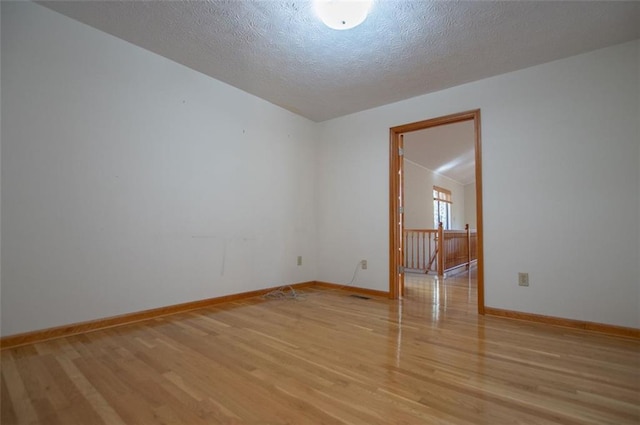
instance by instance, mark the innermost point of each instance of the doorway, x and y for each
(397, 204)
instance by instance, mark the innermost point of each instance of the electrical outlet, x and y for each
(299, 260)
(523, 279)
(363, 264)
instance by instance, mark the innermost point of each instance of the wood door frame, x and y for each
(396, 201)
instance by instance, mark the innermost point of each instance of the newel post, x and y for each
(466, 227)
(440, 249)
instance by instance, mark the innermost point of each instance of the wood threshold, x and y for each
(567, 323)
(32, 337)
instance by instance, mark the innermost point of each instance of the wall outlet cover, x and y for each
(523, 279)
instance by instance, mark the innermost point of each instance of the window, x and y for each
(442, 207)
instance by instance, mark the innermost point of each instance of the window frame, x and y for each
(442, 196)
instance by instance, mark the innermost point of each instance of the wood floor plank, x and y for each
(96, 400)
(7, 412)
(18, 398)
(328, 358)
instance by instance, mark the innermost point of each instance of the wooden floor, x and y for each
(328, 359)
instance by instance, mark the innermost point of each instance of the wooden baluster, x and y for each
(407, 250)
(424, 251)
(413, 255)
(418, 233)
(404, 243)
(413, 249)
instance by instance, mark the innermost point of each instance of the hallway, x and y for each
(426, 294)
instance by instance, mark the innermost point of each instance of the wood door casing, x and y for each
(396, 175)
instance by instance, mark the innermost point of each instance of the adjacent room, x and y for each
(244, 212)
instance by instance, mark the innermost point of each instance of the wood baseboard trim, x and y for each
(32, 337)
(567, 323)
(347, 288)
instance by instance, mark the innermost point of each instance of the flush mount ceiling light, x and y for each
(342, 14)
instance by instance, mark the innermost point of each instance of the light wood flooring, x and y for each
(328, 358)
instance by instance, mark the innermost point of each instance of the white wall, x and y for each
(418, 197)
(470, 211)
(418, 205)
(560, 183)
(131, 182)
(1, 182)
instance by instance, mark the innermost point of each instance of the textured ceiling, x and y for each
(281, 52)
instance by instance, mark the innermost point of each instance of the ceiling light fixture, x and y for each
(342, 14)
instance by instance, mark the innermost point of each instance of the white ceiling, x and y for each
(280, 51)
(446, 149)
